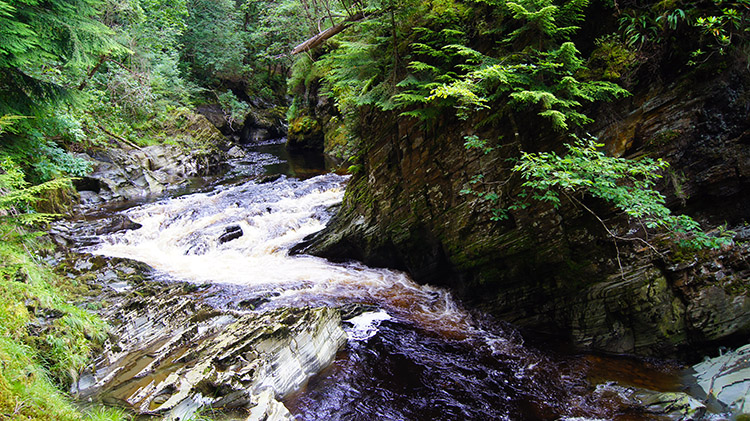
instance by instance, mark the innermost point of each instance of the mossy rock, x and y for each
(337, 140)
(305, 132)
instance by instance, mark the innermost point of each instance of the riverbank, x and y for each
(209, 287)
(46, 334)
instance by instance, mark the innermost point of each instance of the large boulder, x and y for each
(725, 381)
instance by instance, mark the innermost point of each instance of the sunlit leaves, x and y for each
(629, 185)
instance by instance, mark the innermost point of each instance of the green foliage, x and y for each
(725, 28)
(548, 84)
(100, 413)
(638, 29)
(17, 196)
(272, 28)
(38, 356)
(441, 69)
(236, 108)
(44, 340)
(628, 185)
(213, 44)
(716, 26)
(540, 21)
(354, 74)
(40, 158)
(47, 47)
(611, 60)
(474, 142)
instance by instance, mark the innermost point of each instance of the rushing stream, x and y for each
(416, 354)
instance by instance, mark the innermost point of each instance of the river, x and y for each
(415, 354)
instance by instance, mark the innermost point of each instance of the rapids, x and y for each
(415, 354)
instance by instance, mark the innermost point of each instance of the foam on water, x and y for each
(180, 237)
(365, 326)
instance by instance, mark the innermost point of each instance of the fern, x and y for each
(17, 196)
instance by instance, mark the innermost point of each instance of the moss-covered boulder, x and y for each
(305, 133)
(190, 146)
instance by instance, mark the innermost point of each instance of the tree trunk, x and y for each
(320, 38)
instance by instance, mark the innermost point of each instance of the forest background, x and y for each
(77, 75)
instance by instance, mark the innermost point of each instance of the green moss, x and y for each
(303, 125)
(664, 137)
(337, 140)
(173, 125)
(611, 60)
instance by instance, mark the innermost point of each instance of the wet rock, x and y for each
(726, 379)
(172, 353)
(90, 197)
(87, 233)
(114, 224)
(675, 405)
(230, 233)
(355, 309)
(267, 408)
(236, 152)
(262, 123)
(216, 115)
(320, 127)
(255, 302)
(650, 404)
(197, 249)
(717, 314)
(269, 178)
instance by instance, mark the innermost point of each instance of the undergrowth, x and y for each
(45, 341)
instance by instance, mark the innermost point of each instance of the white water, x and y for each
(365, 326)
(179, 237)
(463, 372)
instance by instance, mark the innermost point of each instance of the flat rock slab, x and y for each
(726, 379)
(170, 353)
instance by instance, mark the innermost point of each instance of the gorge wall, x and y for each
(557, 271)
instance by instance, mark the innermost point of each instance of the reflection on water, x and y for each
(418, 356)
(273, 158)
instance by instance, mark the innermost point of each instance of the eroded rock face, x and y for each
(171, 353)
(130, 173)
(556, 270)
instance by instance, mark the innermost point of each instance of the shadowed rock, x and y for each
(231, 232)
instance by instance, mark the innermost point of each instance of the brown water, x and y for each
(418, 355)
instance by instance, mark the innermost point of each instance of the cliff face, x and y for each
(557, 271)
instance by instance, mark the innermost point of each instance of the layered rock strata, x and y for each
(558, 271)
(170, 353)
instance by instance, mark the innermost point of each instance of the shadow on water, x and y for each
(415, 367)
(297, 164)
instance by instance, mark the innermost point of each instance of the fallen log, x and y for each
(321, 37)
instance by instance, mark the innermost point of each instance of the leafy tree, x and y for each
(213, 44)
(629, 185)
(48, 47)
